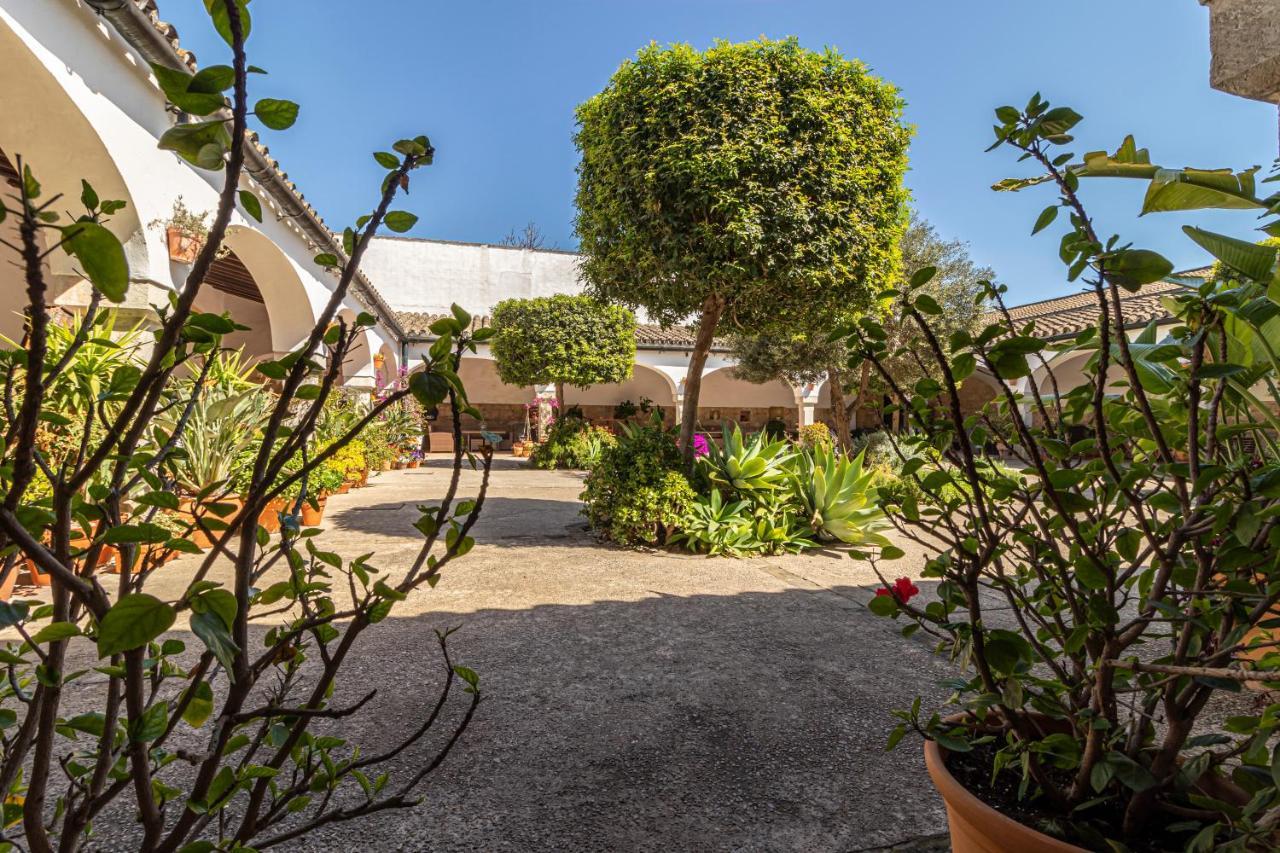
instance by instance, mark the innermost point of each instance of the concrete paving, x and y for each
(636, 700)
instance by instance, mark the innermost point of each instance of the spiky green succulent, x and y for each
(838, 497)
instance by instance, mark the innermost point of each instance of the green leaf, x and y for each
(892, 552)
(400, 221)
(200, 707)
(88, 197)
(1045, 219)
(143, 533)
(883, 605)
(1249, 259)
(1199, 189)
(212, 631)
(252, 206)
(276, 114)
(325, 259)
(200, 144)
(179, 91)
(151, 724)
(923, 276)
(101, 258)
(217, 10)
(387, 160)
(1133, 268)
(132, 622)
(55, 631)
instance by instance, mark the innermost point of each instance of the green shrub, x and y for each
(571, 443)
(816, 435)
(636, 494)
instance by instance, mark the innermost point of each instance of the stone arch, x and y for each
(724, 396)
(599, 401)
(281, 291)
(359, 360)
(45, 127)
(386, 366)
(1068, 370)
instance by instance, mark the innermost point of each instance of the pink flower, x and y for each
(903, 590)
(700, 446)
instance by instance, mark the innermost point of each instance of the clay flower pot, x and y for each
(345, 487)
(183, 248)
(386, 466)
(269, 518)
(311, 517)
(413, 463)
(975, 826)
(33, 575)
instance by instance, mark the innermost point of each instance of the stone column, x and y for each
(546, 395)
(808, 405)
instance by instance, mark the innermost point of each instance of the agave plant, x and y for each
(838, 497)
(712, 526)
(218, 431)
(751, 466)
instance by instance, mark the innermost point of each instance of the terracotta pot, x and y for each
(6, 588)
(413, 463)
(364, 479)
(345, 487)
(182, 248)
(397, 465)
(269, 518)
(33, 575)
(312, 517)
(975, 826)
(386, 466)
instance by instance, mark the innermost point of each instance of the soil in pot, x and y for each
(987, 816)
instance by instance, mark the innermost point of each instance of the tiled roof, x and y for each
(417, 324)
(142, 35)
(1065, 316)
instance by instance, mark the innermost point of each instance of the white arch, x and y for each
(283, 292)
(386, 366)
(723, 388)
(645, 381)
(45, 126)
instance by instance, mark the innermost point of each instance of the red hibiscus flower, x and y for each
(903, 590)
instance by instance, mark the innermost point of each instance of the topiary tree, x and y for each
(573, 340)
(756, 183)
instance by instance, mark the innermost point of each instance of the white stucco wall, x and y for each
(78, 101)
(431, 275)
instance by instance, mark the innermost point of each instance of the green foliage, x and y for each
(572, 443)
(751, 465)
(759, 172)
(636, 494)
(102, 437)
(571, 340)
(1134, 538)
(839, 497)
(816, 435)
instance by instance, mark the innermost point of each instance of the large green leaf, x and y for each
(101, 258)
(195, 95)
(1135, 267)
(217, 10)
(1196, 189)
(132, 622)
(200, 144)
(276, 114)
(1249, 259)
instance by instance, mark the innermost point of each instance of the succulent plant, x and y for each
(838, 497)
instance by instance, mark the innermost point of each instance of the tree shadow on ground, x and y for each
(754, 720)
(504, 521)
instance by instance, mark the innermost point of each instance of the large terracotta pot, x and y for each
(413, 463)
(6, 588)
(975, 826)
(34, 576)
(345, 487)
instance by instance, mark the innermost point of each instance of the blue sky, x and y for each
(494, 84)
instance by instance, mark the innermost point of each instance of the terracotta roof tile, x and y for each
(1066, 316)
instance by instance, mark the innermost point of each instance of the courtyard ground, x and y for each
(635, 700)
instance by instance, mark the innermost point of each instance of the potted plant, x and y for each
(1108, 589)
(185, 232)
(415, 458)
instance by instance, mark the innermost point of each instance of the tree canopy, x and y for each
(805, 355)
(759, 182)
(566, 340)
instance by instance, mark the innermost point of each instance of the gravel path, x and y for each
(635, 700)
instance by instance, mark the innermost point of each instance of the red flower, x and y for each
(903, 590)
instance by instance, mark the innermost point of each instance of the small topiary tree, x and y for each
(562, 339)
(758, 183)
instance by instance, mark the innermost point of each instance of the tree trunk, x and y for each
(864, 383)
(712, 308)
(839, 414)
(560, 396)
